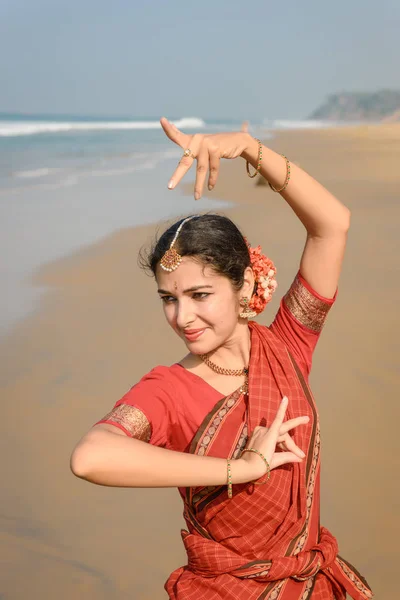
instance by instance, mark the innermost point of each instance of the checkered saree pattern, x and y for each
(266, 542)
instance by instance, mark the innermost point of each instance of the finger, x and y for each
(280, 415)
(174, 134)
(292, 423)
(215, 162)
(186, 162)
(292, 447)
(282, 458)
(201, 172)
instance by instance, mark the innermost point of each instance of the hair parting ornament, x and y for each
(172, 259)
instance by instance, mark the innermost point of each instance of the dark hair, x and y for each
(211, 239)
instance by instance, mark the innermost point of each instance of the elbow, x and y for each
(340, 226)
(346, 220)
(81, 460)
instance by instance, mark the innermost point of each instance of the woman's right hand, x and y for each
(266, 439)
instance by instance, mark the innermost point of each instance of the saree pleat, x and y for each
(266, 542)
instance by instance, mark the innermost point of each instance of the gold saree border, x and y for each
(273, 590)
(131, 419)
(298, 542)
(200, 443)
(306, 308)
(354, 576)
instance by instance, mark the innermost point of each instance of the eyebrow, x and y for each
(192, 289)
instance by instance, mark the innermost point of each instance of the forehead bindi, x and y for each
(185, 280)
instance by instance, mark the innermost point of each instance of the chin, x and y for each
(198, 348)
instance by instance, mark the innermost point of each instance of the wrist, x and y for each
(250, 151)
(244, 470)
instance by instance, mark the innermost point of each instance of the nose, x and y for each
(184, 314)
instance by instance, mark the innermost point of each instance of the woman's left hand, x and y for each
(207, 149)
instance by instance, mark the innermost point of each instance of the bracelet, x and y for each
(268, 473)
(229, 478)
(287, 177)
(259, 161)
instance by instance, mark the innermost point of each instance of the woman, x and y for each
(233, 424)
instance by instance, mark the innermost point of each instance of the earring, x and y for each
(247, 312)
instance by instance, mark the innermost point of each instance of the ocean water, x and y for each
(67, 181)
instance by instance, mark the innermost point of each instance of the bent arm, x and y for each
(106, 456)
(325, 218)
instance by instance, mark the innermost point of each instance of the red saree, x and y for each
(266, 542)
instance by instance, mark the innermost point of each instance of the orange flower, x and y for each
(264, 273)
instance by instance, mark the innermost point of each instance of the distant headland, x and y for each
(382, 105)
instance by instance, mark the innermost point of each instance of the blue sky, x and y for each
(232, 59)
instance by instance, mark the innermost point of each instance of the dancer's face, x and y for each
(196, 298)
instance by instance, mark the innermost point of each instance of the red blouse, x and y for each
(167, 406)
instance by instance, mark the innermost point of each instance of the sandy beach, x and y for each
(101, 327)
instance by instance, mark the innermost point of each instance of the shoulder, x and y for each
(164, 376)
(160, 374)
(160, 378)
(166, 382)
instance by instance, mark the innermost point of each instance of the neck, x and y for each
(235, 353)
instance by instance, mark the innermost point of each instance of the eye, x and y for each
(167, 299)
(201, 295)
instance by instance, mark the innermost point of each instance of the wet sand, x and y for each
(100, 328)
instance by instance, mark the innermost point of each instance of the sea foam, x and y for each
(34, 173)
(299, 124)
(18, 128)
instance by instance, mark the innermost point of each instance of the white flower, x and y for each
(271, 273)
(266, 294)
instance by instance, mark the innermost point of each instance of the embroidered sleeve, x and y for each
(308, 308)
(131, 420)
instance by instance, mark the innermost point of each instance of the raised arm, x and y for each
(325, 218)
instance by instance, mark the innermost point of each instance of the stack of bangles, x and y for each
(267, 474)
(287, 179)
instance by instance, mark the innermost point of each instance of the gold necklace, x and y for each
(233, 372)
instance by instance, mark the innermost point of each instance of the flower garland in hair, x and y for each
(264, 273)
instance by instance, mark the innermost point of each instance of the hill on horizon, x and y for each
(360, 106)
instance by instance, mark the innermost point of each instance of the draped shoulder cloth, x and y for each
(266, 543)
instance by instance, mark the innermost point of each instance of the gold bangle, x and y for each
(229, 474)
(268, 473)
(259, 161)
(287, 177)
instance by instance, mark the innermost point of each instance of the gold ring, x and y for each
(188, 153)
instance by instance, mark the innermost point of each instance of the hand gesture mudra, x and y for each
(207, 150)
(266, 440)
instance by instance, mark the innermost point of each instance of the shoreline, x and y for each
(30, 296)
(50, 225)
(100, 328)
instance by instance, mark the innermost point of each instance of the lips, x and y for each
(190, 331)
(193, 334)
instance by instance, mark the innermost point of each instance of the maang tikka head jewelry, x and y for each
(172, 259)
